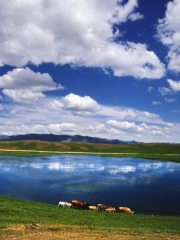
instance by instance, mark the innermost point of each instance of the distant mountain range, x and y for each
(63, 138)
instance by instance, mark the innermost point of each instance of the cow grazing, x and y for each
(102, 207)
(68, 204)
(94, 208)
(79, 204)
(61, 204)
(125, 209)
(110, 209)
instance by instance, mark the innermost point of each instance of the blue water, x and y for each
(146, 186)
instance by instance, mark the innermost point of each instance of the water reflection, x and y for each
(154, 185)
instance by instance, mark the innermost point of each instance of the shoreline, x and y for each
(173, 157)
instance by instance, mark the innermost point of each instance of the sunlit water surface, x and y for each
(150, 187)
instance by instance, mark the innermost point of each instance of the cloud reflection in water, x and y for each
(80, 172)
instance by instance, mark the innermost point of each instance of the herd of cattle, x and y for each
(100, 207)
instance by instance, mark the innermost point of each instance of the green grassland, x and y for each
(156, 151)
(17, 212)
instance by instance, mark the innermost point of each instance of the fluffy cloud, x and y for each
(97, 129)
(108, 122)
(136, 16)
(23, 96)
(26, 79)
(174, 85)
(75, 114)
(124, 12)
(122, 125)
(76, 109)
(169, 34)
(75, 103)
(129, 114)
(1, 107)
(54, 128)
(24, 85)
(112, 129)
(65, 127)
(88, 107)
(39, 128)
(142, 128)
(54, 105)
(66, 32)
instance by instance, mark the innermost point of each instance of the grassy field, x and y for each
(21, 218)
(159, 151)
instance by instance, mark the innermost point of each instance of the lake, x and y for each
(146, 186)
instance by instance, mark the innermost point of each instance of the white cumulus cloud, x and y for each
(169, 34)
(23, 96)
(75, 103)
(174, 85)
(122, 125)
(127, 11)
(73, 32)
(26, 79)
(63, 127)
(24, 85)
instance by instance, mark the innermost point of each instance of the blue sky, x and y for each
(100, 68)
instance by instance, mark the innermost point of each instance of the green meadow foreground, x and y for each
(29, 220)
(156, 151)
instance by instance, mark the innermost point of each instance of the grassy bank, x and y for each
(49, 217)
(156, 151)
(151, 148)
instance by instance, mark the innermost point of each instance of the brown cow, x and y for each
(94, 208)
(110, 209)
(125, 209)
(80, 204)
(102, 207)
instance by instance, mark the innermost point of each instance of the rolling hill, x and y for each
(63, 138)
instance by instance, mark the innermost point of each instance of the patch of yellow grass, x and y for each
(60, 232)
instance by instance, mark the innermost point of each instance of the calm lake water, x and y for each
(150, 187)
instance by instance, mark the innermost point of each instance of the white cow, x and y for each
(62, 204)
